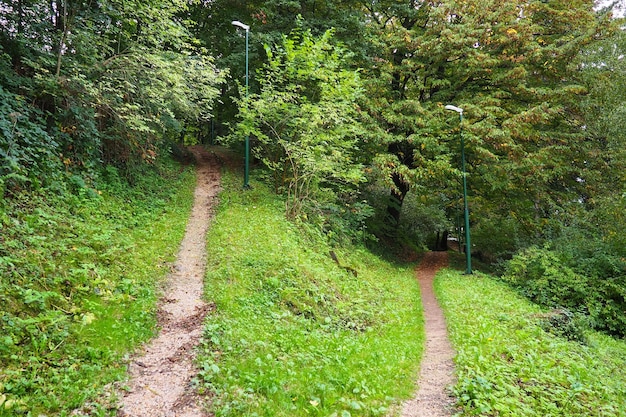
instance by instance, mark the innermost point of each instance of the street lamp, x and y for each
(246, 175)
(468, 247)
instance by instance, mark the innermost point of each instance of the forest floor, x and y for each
(437, 367)
(161, 375)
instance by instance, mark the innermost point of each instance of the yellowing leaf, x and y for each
(88, 318)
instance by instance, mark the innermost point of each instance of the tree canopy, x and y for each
(354, 97)
(105, 81)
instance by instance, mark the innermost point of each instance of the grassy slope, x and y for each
(78, 290)
(294, 334)
(509, 366)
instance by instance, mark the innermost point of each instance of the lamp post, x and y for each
(246, 174)
(468, 247)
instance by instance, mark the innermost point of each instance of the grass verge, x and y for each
(294, 333)
(80, 277)
(508, 365)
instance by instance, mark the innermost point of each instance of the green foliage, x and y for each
(507, 365)
(27, 151)
(79, 272)
(294, 333)
(87, 83)
(593, 284)
(545, 279)
(269, 21)
(508, 65)
(605, 108)
(422, 217)
(306, 129)
(144, 97)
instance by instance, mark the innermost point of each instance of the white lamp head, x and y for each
(454, 108)
(241, 25)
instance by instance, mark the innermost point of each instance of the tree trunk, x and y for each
(63, 27)
(396, 198)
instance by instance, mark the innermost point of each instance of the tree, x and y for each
(269, 21)
(305, 123)
(604, 70)
(509, 65)
(112, 81)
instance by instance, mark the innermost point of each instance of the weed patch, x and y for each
(79, 283)
(508, 365)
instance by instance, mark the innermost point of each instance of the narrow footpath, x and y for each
(161, 375)
(437, 368)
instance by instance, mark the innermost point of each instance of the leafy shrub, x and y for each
(305, 123)
(27, 151)
(546, 278)
(564, 323)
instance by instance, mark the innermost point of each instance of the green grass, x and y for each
(294, 334)
(80, 278)
(508, 365)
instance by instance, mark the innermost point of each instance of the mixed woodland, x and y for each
(344, 109)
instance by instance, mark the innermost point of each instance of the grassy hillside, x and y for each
(294, 333)
(80, 274)
(513, 358)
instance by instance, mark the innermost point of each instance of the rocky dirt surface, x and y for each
(160, 384)
(437, 368)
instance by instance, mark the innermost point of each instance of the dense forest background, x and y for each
(346, 106)
(346, 119)
(345, 111)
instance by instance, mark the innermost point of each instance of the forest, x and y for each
(339, 111)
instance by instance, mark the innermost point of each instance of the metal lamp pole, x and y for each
(246, 174)
(468, 246)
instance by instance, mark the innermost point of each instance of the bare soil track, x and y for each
(437, 368)
(160, 384)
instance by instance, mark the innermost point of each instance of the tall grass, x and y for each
(509, 363)
(294, 333)
(80, 274)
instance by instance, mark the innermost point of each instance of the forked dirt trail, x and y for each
(437, 369)
(161, 375)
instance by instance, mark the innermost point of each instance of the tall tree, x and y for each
(305, 120)
(508, 64)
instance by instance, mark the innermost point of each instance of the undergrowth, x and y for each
(591, 285)
(509, 364)
(295, 333)
(78, 290)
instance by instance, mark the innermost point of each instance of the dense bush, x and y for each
(27, 151)
(592, 284)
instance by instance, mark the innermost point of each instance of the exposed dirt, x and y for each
(160, 384)
(437, 368)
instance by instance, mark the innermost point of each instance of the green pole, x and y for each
(246, 172)
(246, 176)
(468, 245)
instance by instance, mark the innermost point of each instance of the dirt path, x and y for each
(161, 374)
(437, 369)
